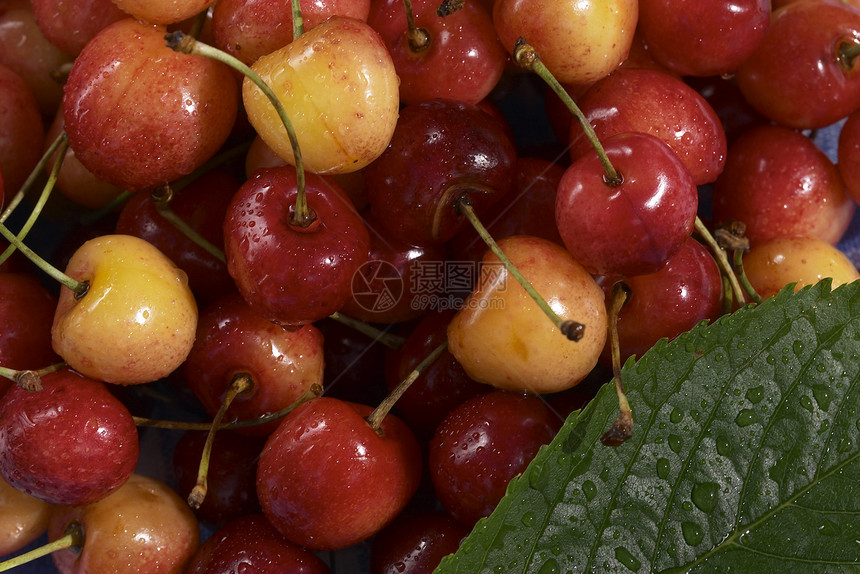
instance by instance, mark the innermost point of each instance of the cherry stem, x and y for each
(80, 288)
(242, 383)
(313, 392)
(109, 207)
(390, 340)
(72, 538)
(742, 276)
(302, 215)
(722, 260)
(847, 52)
(40, 204)
(379, 413)
(197, 23)
(622, 428)
(225, 156)
(61, 140)
(570, 329)
(30, 380)
(162, 197)
(448, 7)
(298, 24)
(418, 38)
(527, 57)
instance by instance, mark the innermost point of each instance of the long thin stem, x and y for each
(418, 38)
(241, 383)
(722, 260)
(742, 276)
(527, 57)
(571, 329)
(34, 175)
(73, 538)
(180, 42)
(375, 418)
(80, 288)
(298, 24)
(622, 428)
(43, 199)
(161, 198)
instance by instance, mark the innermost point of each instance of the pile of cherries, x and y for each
(325, 233)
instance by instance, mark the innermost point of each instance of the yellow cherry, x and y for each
(137, 321)
(24, 518)
(338, 86)
(502, 338)
(772, 265)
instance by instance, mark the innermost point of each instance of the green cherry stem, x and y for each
(27, 379)
(847, 53)
(527, 57)
(225, 156)
(313, 392)
(375, 418)
(61, 140)
(302, 216)
(622, 428)
(570, 329)
(43, 199)
(73, 537)
(162, 197)
(79, 288)
(742, 276)
(722, 260)
(298, 24)
(242, 383)
(418, 38)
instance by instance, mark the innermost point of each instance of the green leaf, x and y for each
(745, 457)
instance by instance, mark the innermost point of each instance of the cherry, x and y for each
(778, 182)
(415, 542)
(481, 445)
(251, 543)
(70, 24)
(163, 11)
(580, 42)
(664, 304)
(24, 518)
(634, 227)
(293, 274)
(657, 103)
(23, 132)
(137, 320)
(499, 335)
(70, 443)
(233, 338)
(441, 150)
(802, 75)
(726, 99)
(848, 155)
(142, 527)
(459, 56)
(250, 29)
(202, 205)
(231, 477)
(326, 479)
(703, 38)
(139, 114)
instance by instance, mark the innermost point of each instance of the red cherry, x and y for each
(415, 543)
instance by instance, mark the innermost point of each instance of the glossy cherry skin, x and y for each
(232, 338)
(440, 388)
(440, 151)
(481, 445)
(70, 24)
(327, 480)
(657, 103)
(635, 227)
(415, 542)
(703, 38)
(71, 443)
(778, 182)
(848, 155)
(388, 288)
(293, 275)
(22, 134)
(248, 29)
(203, 206)
(163, 11)
(24, 518)
(251, 544)
(529, 210)
(142, 527)
(795, 77)
(687, 291)
(726, 99)
(230, 491)
(464, 59)
(139, 114)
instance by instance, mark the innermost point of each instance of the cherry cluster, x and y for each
(317, 234)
